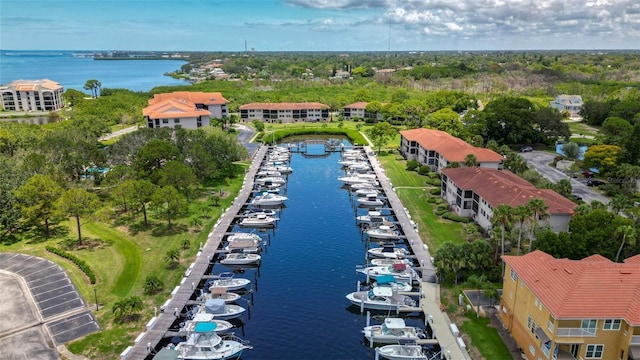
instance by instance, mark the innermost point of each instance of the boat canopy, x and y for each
(399, 267)
(205, 327)
(215, 306)
(394, 323)
(385, 279)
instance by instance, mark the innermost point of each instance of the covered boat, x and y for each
(381, 298)
(391, 331)
(405, 350)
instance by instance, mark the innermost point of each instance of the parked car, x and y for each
(526, 149)
(595, 182)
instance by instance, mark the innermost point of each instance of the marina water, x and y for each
(300, 310)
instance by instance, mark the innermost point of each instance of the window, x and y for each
(531, 324)
(165, 121)
(176, 121)
(532, 350)
(514, 276)
(589, 325)
(594, 351)
(611, 324)
(550, 326)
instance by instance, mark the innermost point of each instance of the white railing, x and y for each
(575, 332)
(635, 339)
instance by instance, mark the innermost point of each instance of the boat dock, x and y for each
(158, 326)
(430, 301)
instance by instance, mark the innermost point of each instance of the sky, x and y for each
(319, 25)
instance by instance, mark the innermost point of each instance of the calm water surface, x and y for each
(300, 309)
(72, 72)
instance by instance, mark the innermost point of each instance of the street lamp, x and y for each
(95, 293)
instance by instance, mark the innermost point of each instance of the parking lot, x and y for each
(40, 307)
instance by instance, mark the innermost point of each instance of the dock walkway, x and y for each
(430, 302)
(158, 326)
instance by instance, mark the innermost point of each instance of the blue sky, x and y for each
(319, 25)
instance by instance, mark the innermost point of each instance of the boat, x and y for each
(359, 167)
(268, 172)
(270, 180)
(204, 320)
(227, 280)
(368, 192)
(282, 169)
(383, 232)
(391, 331)
(268, 199)
(268, 212)
(363, 185)
(220, 310)
(356, 178)
(388, 251)
(381, 298)
(387, 262)
(370, 199)
(258, 220)
(406, 350)
(204, 343)
(245, 242)
(400, 272)
(240, 258)
(390, 282)
(219, 292)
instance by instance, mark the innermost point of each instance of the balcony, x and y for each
(635, 340)
(575, 332)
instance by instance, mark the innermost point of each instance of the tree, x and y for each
(628, 234)
(510, 120)
(571, 150)
(73, 97)
(448, 121)
(380, 134)
(152, 284)
(258, 125)
(616, 131)
(153, 155)
(515, 163)
(78, 203)
(539, 211)
(93, 85)
(550, 125)
(594, 112)
(142, 194)
(169, 203)
(479, 283)
(178, 175)
(172, 257)
(470, 160)
(521, 214)
(124, 191)
(36, 199)
(603, 157)
(502, 216)
(564, 188)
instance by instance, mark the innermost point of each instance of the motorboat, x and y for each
(364, 185)
(391, 331)
(388, 251)
(268, 199)
(402, 351)
(204, 343)
(245, 242)
(356, 178)
(368, 192)
(220, 310)
(240, 258)
(271, 180)
(359, 167)
(370, 199)
(400, 272)
(219, 293)
(268, 212)
(258, 220)
(371, 217)
(263, 173)
(384, 232)
(381, 298)
(390, 282)
(227, 280)
(204, 321)
(281, 169)
(387, 262)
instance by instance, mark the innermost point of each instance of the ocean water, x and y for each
(300, 310)
(73, 72)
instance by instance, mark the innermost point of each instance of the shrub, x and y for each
(152, 284)
(454, 217)
(434, 182)
(611, 190)
(435, 191)
(424, 170)
(412, 165)
(443, 206)
(440, 212)
(78, 262)
(431, 199)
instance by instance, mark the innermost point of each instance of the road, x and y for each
(118, 133)
(540, 160)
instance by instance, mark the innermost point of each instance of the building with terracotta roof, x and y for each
(475, 191)
(185, 109)
(32, 95)
(358, 110)
(284, 112)
(582, 309)
(437, 149)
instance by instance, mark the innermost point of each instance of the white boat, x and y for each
(240, 258)
(387, 262)
(370, 199)
(268, 199)
(364, 185)
(227, 280)
(388, 251)
(383, 232)
(282, 169)
(258, 220)
(204, 320)
(390, 282)
(220, 310)
(220, 293)
(368, 192)
(359, 167)
(381, 298)
(400, 272)
(355, 178)
(205, 344)
(411, 351)
(268, 172)
(391, 331)
(245, 242)
(270, 180)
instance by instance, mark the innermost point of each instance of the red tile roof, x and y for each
(196, 97)
(357, 105)
(594, 287)
(34, 85)
(499, 187)
(284, 106)
(173, 108)
(452, 148)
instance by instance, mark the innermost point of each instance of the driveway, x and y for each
(540, 160)
(245, 134)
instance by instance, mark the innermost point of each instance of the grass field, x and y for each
(485, 338)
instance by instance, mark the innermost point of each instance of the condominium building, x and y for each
(185, 109)
(437, 149)
(284, 112)
(564, 309)
(359, 110)
(32, 95)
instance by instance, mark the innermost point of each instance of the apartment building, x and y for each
(32, 95)
(285, 112)
(185, 109)
(565, 309)
(359, 110)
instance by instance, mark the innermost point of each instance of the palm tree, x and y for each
(470, 160)
(564, 188)
(134, 304)
(539, 212)
(119, 308)
(502, 215)
(172, 257)
(479, 283)
(628, 233)
(619, 203)
(521, 214)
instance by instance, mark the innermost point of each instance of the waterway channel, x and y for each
(300, 310)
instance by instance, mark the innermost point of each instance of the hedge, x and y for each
(435, 191)
(434, 182)
(453, 217)
(78, 262)
(353, 135)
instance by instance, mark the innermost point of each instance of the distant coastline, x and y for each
(133, 55)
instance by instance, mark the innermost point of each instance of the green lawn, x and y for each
(581, 128)
(486, 338)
